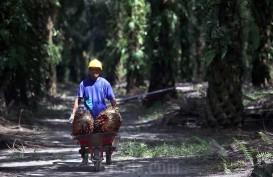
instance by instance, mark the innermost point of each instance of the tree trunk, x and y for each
(162, 51)
(263, 15)
(162, 70)
(132, 72)
(137, 16)
(186, 70)
(3, 107)
(51, 82)
(224, 92)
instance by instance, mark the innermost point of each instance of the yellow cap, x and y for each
(95, 64)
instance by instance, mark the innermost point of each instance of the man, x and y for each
(93, 90)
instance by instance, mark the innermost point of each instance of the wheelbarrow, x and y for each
(95, 144)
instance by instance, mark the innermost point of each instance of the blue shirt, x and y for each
(94, 93)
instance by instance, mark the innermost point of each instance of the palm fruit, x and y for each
(108, 120)
(83, 123)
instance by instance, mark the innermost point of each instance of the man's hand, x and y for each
(114, 104)
(116, 109)
(71, 119)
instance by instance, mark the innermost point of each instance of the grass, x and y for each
(249, 155)
(152, 116)
(200, 88)
(186, 148)
(128, 107)
(39, 128)
(154, 112)
(257, 94)
(18, 154)
(229, 166)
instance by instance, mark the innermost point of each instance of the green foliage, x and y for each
(134, 149)
(184, 148)
(153, 116)
(264, 155)
(252, 154)
(215, 34)
(209, 56)
(226, 165)
(229, 166)
(153, 112)
(221, 34)
(136, 39)
(248, 152)
(55, 3)
(54, 53)
(256, 95)
(265, 138)
(126, 41)
(25, 50)
(262, 14)
(162, 45)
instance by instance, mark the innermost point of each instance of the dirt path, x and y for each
(57, 154)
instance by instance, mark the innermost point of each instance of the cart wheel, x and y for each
(108, 158)
(97, 164)
(84, 160)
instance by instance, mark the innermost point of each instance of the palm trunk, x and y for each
(263, 15)
(3, 107)
(225, 83)
(224, 92)
(52, 80)
(162, 71)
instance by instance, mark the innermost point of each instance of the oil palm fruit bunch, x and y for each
(108, 120)
(83, 123)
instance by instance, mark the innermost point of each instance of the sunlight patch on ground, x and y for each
(29, 163)
(56, 107)
(4, 157)
(142, 136)
(68, 98)
(60, 150)
(55, 120)
(228, 175)
(30, 151)
(151, 136)
(39, 163)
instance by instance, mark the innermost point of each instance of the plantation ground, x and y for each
(43, 146)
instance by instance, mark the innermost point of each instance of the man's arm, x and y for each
(113, 102)
(76, 105)
(74, 110)
(108, 91)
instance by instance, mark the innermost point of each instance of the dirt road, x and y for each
(56, 154)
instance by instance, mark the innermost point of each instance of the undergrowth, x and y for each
(251, 154)
(142, 149)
